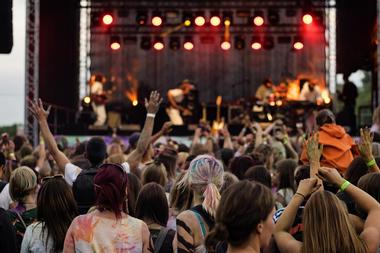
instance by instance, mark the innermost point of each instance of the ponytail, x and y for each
(211, 199)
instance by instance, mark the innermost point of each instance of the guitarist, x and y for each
(98, 98)
(176, 97)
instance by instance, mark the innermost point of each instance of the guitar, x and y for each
(218, 124)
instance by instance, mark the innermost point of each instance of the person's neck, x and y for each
(30, 202)
(197, 199)
(252, 246)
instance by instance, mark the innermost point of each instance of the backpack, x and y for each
(83, 190)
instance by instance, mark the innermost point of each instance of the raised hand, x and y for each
(154, 102)
(365, 144)
(166, 128)
(330, 175)
(314, 149)
(38, 111)
(308, 186)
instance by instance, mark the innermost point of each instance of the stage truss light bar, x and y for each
(115, 43)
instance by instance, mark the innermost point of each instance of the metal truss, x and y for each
(32, 65)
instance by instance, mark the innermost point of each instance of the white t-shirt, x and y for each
(97, 88)
(5, 198)
(308, 95)
(72, 171)
(177, 95)
(34, 241)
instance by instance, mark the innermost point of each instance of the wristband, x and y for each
(344, 185)
(152, 115)
(371, 163)
(303, 196)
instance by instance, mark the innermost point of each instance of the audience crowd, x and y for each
(269, 189)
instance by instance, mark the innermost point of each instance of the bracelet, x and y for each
(344, 185)
(152, 115)
(303, 196)
(371, 163)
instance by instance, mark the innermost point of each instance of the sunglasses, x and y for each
(43, 180)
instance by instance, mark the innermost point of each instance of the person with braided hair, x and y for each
(205, 178)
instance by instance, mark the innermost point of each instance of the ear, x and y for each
(259, 228)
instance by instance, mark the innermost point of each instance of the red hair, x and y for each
(110, 187)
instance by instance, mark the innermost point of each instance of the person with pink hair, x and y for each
(205, 178)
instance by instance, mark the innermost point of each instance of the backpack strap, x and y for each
(160, 239)
(201, 223)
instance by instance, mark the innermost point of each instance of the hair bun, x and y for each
(221, 231)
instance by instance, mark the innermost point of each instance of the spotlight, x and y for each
(298, 43)
(87, 100)
(258, 18)
(158, 43)
(227, 18)
(174, 43)
(135, 102)
(157, 19)
(145, 43)
(107, 19)
(141, 17)
(215, 19)
(187, 18)
(307, 19)
(273, 17)
(256, 43)
(268, 43)
(188, 43)
(115, 43)
(239, 42)
(199, 19)
(225, 44)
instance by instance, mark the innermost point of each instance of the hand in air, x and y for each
(154, 102)
(365, 144)
(38, 111)
(314, 149)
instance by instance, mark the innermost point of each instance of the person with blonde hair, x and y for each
(205, 178)
(327, 227)
(23, 190)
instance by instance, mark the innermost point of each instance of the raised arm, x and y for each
(152, 107)
(314, 152)
(41, 115)
(365, 148)
(166, 128)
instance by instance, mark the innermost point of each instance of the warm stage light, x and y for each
(115, 45)
(226, 45)
(187, 22)
(256, 45)
(258, 21)
(188, 46)
(215, 21)
(307, 19)
(227, 22)
(107, 19)
(158, 46)
(87, 99)
(199, 21)
(156, 21)
(298, 45)
(135, 102)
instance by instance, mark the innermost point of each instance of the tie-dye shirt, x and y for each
(94, 232)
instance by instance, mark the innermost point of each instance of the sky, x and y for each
(12, 71)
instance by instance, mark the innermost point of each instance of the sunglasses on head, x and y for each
(43, 180)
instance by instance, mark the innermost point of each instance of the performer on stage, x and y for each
(310, 92)
(176, 98)
(98, 98)
(264, 91)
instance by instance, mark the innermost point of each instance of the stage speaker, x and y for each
(6, 30)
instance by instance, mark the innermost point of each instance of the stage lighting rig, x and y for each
(258, 18)
(187, 18)
(188, 43)
(115, 42)
(157, 18)
(158, 43)
(141, 17)
(200, 19)
(215, 18)
(225, 44)
(298, 43)
(227, 18)
(256, 43)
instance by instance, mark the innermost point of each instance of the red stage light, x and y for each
(226, 45)
(156, 21)
(188, 45)
(107, 19)
(115, 45)
(215, 21)
(256, 45)
(298, 45)
(307, 19)
(199, 21)
(158, 45)
(258, 21)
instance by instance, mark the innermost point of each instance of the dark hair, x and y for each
(259, 173)
(81, 162)
(286, 169)
(2, 159)
(370, 184)
(168, 158)
(183, 148)
(225, 155)
(25, 150)
(154, 172)
(325, 116)
(152, 204)
(357, 168)
(301, 172)
(80, 149)
(98, 78)
(237, 217)
(239, 165)
(134, 187)
(56, 209)
(110, 187)
(96, 151)
(29, 161)
(19, 141)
